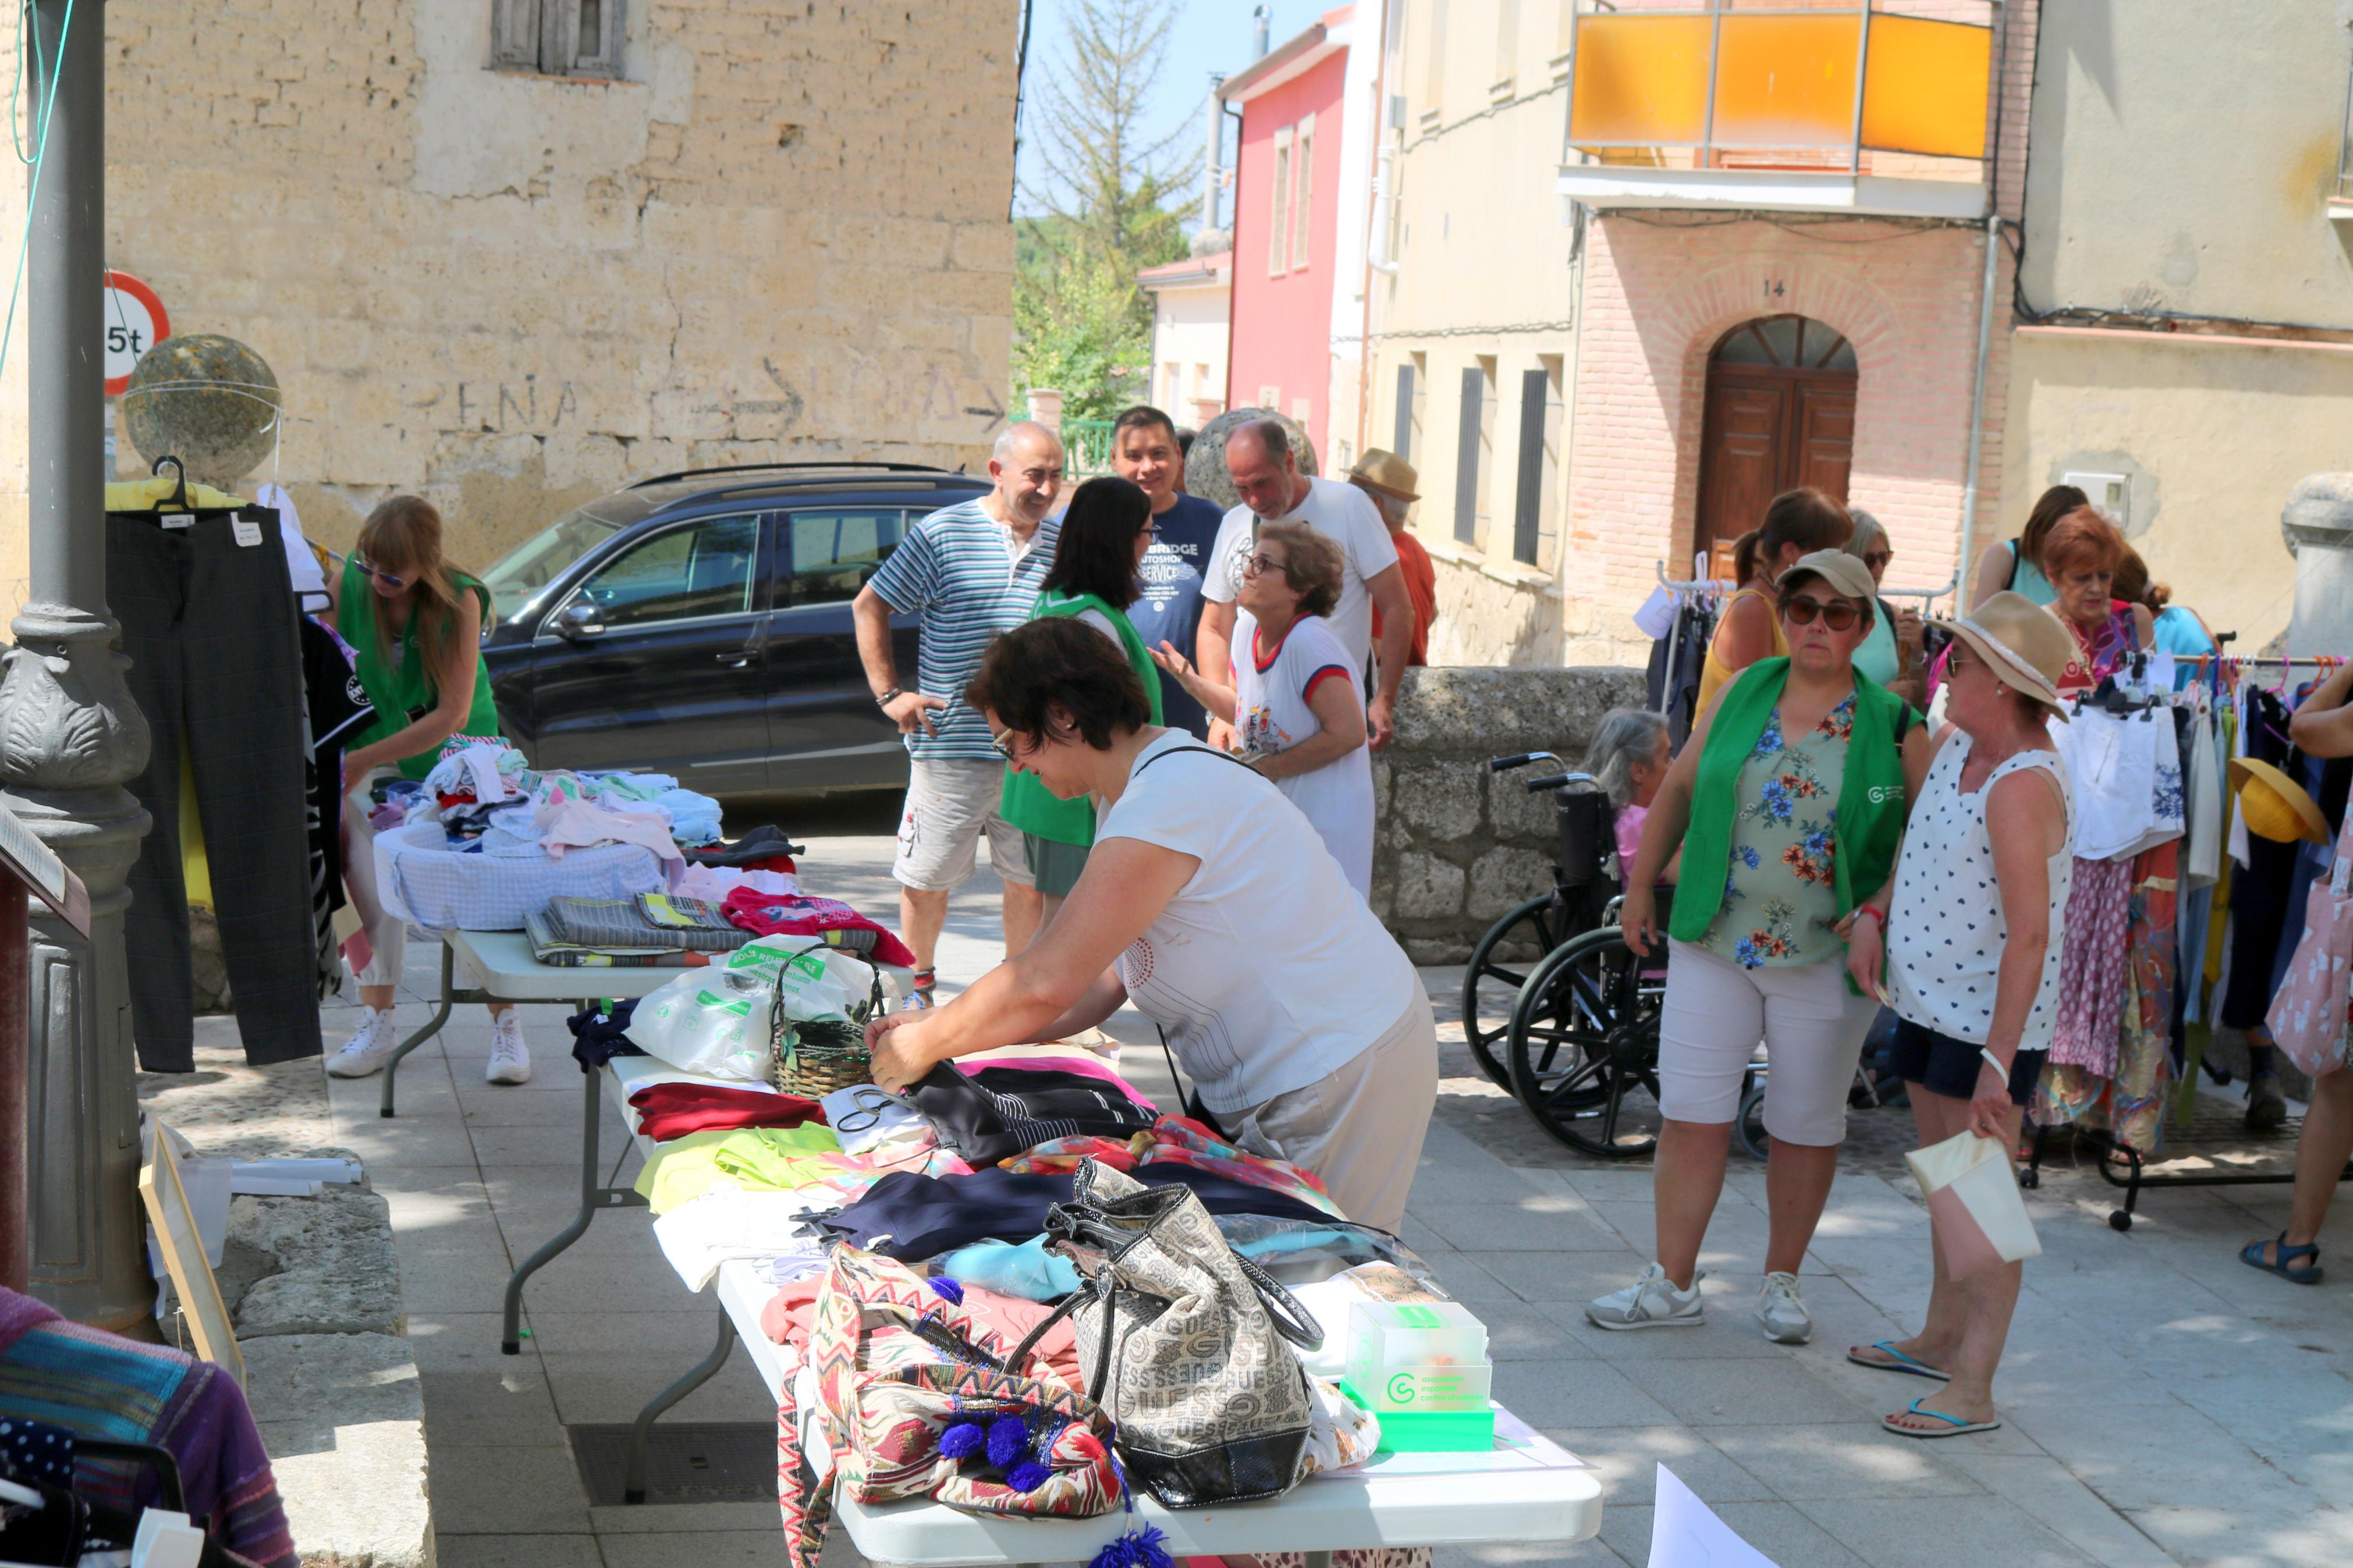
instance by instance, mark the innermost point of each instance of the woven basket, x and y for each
(809, 1070)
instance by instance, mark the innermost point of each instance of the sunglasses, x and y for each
(1878, 559)
(1839, 616)
(389, 579)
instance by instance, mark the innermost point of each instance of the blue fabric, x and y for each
(1170, 608)
(1027, 1270)
(693, 818)
(2178, 633)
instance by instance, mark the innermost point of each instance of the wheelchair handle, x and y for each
(1518, 759)
(1557, 781)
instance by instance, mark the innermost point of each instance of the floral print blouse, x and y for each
(2101, 650)
(1780, 896)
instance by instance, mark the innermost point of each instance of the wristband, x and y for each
(1878, 915)
(1995, 1062)
(889, 697)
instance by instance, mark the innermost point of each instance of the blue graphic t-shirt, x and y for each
(1170, 606)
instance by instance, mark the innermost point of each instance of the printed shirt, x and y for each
(959, 569)
(1780, 895)
(1170, 606)
(2101, 650)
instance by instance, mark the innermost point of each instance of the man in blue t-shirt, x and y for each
(1143, 451)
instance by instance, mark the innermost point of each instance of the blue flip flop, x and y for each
(1910, 1366)
(2252, 1254)
(1958, 1429)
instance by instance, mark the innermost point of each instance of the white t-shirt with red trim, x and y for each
(1272, 688)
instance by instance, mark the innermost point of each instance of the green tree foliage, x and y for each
(1080, 324)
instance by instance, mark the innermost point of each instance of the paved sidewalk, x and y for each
(2165, 1403)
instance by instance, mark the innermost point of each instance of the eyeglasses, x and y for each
(1150, 530)
(1262, 561)
(868, 1106)
(1002, 744)
(389, 579)
(1839, 616)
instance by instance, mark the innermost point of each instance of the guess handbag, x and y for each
(1185, 1343)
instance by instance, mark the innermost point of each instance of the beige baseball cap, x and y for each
(1845, 573)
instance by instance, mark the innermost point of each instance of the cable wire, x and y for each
(40, 160)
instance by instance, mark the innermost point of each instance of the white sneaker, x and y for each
(510, 1058)
(1651, 1302)
(1781, 1312)
(370, 1046)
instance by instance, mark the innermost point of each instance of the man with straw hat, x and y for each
(1969, 960)
(1390, 480)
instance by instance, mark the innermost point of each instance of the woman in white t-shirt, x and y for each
(1292, 694)
(1209, 904)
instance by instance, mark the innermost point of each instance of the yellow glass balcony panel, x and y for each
(1639, 79)
(1925, 87)
(1785, 82)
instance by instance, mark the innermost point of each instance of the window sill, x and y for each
(1500, 92)
(615, 80)
(1511, 573)
(1429, 118)
(1561, 64)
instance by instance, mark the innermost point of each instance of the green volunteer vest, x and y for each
(401, 690)
(1869, 821)
(1028, 804)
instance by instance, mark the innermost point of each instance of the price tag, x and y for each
(247, 533)
(179, 519)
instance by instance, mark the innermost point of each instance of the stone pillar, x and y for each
(1046, 408)
(70, 736)
(2319, 523)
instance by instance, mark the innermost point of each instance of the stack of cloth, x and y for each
(761, 860)
(651, 929)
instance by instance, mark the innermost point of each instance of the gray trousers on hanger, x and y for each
(208, 624)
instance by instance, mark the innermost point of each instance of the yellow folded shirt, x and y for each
(757, 1159)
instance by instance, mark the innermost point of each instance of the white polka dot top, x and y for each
(1946, 928)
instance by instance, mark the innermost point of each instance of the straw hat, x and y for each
(2276, 807)
(1845, 573)
(2023, 643)
(1388, 473)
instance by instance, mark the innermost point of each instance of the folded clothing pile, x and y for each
(840, 925)
(907, 1215)
(649, 929)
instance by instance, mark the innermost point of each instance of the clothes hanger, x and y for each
(179, 500)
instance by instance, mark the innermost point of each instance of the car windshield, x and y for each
(530, 567)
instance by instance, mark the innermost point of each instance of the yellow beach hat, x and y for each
(2276, 807)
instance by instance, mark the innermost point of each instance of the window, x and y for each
(1281, 228)
(1403, 443)
(1474, 445)
(557, 38)
(1304, 157)
(1172, 383)
(833, 552)
(1269, 395)
(1200, 383)
(1433, 91)
(688, 574)
(1507, 41)
(1536, 512)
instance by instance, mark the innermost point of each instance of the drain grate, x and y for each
(686, 1461)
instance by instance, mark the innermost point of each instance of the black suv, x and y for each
(698, 624)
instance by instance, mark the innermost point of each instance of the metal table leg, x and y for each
(440, 1016)
(594, 1195)
(633, 1481)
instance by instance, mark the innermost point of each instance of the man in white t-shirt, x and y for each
(1265, 472)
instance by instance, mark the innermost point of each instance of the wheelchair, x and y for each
(1574, 1011)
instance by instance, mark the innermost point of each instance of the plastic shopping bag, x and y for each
(715, 1021)
(1973, 1201)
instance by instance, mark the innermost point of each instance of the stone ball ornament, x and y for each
(207, 400)
(1205, 466)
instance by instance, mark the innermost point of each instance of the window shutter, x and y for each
(1466, 457)
(1536, 386)
(514, 35)
(580, 37)
(1404, 445)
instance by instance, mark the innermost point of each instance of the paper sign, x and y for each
(1685, 1533)
(247, 533)
(179, 519)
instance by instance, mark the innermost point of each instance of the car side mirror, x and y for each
(578, 621)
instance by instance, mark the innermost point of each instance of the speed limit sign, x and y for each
(135, 322)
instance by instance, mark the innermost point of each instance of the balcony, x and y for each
(1840, 107)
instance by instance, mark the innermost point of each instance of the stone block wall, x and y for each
(1456, 847)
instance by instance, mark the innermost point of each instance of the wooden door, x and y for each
(1741, 469)
(1779, 414)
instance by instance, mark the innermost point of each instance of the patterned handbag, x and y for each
(2309, 1015)
(915, 1402)
(1182, 1341)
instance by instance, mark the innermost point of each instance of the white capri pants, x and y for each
(1716, 1012)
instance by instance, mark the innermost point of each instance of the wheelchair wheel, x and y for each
(1750, 1127)
(1583, 1049)
(1491, 982)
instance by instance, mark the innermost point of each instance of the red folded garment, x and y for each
(667, 1111)
(791, 914)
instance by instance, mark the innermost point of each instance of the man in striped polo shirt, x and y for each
(972, 571)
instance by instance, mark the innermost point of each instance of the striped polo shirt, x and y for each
(958, 570)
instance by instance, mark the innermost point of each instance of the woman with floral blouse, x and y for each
(1788, 804)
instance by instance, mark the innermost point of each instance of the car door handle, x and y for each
(735, 660)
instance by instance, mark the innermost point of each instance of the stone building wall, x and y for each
(782, 234)
(1456, 847)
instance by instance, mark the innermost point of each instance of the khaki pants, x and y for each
(1359, 1127)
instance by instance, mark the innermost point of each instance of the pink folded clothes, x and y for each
(764, 914)
(577, 824)
(1077, 1062)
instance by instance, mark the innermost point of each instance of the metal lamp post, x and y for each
(70, 734)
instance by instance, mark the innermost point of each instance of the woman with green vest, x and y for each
(1094, 579)
(1787, 803)
(415, 626)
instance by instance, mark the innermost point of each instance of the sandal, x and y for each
(1959, 1428)
(2252, 1254)
(1899, 1361)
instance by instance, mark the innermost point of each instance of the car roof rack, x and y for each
(771, 468)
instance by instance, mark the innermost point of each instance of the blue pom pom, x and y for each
(1146, 1549)
(946, 1288)
(1008, 1440)
(1028, 1475)
(963, 1439)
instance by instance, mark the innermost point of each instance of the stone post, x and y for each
(1046, 408)
(70, 734)
(2319, 523)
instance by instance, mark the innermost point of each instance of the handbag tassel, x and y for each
(1146, 1548)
